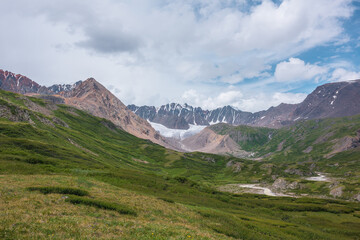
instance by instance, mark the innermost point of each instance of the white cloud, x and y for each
(292, 98)
(341, 74)
(262, 100)
(296, 70)
(252, 101)
(153, 51)
(229, 97)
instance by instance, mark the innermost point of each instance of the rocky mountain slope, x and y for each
(338, 99)
(93, 97)
(325, 101)
(87, 95)
(210, 142)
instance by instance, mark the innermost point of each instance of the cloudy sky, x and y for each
(248, 54)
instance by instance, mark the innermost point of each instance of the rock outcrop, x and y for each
(210, 142)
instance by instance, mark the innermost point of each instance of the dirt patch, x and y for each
(337, 192)
(308, 149)
(280, 146)
(140, 161)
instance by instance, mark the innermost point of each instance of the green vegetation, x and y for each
(324, 145)
(101, 204)
(172, 194)
(60, 190)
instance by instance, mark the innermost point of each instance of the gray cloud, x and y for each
(109, 41)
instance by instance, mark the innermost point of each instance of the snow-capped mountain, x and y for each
(58, 88)
(17, 83)
(329, 100)
(178, 116)
(21, 84)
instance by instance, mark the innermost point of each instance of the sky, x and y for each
(248, 54)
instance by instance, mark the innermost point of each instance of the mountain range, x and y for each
(326, 101)
(188, 122)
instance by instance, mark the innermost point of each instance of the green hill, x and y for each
(67, 174)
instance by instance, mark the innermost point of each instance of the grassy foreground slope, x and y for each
(134, 189)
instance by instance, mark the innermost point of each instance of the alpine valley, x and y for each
(76, 163)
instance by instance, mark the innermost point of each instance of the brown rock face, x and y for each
(94, 98)
(338, 99)
(17, 83)
(210, 142)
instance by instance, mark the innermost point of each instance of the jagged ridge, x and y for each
(330, 100)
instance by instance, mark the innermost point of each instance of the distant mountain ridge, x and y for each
(21, 84)
(338, 99)
(179, 116)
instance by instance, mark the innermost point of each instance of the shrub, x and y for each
(60, 190)
(181, 179)
(166, 200)
(101, 204)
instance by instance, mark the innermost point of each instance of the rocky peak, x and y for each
(87, 87)
(17, 83)
(63, 88)
(94, 98)
(329, 100)
(21, 84)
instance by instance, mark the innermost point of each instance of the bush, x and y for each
(166, 200)
(101, 204)
(181, 179)
(60, 190)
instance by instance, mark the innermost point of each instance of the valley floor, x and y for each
(28, 214)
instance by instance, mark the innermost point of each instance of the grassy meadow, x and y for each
(65, 174)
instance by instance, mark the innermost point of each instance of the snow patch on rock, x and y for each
(177, 133)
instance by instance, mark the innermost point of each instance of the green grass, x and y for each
(174, 194)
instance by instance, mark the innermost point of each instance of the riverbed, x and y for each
(321, 177)
(250, 188)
